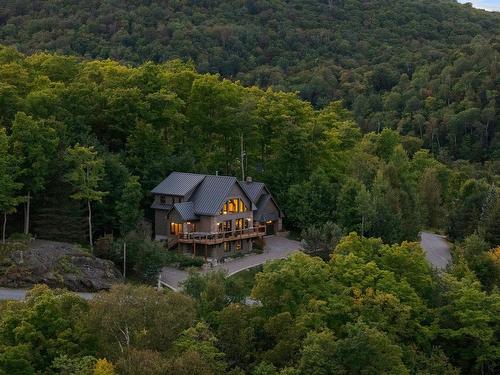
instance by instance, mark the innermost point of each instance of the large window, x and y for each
(175, 228)
(241, 224)
(233, 206)
(227, 226)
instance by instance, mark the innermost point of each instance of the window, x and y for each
(239, 224)
(227, 247)
(238, 245)
(175, 228)
(163, 199)
(233, 206)
(227, 226)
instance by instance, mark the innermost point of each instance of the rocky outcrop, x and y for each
(59, 265)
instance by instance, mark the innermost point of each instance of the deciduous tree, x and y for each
(86, 170)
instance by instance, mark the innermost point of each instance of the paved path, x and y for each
(7, 294)
(437, 249)
(276, 248)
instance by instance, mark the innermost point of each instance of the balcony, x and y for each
(215, 238)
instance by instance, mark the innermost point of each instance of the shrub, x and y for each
(185, 261)
(20, 237)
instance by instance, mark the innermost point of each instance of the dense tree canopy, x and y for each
(368, 120)
(371, 308)
(426, 68)
(131, 126)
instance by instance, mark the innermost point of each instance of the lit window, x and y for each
(233, 206)
(239, 224)
(227, 226)
(238, 245)
(175, 228)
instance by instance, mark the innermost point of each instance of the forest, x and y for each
(372, 308)
(82, 136)
(369, 121)
(426, 68)
(130, 126)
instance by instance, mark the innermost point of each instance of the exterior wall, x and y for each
(241, 215)
(279, 225)
(270, 208)
(161, 223)
(169, 199)
(205, 224)
(236, 192)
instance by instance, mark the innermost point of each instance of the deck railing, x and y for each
(218, 237)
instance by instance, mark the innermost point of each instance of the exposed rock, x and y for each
(59, 265)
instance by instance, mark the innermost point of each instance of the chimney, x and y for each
(249, 179)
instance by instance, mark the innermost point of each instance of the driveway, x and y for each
(276, 247)
(436, 248)
(7, 294)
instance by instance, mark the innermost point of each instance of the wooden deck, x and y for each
(220, 237)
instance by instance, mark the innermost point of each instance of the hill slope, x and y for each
(354, 50)
(262, 41)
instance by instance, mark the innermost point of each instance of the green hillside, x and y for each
(428, 68)
(393, 130)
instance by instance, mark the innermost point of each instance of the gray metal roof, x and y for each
(211, 194)
(161, 206)
(178, 183)
(204, 194)
(253, 189)
(186, 211)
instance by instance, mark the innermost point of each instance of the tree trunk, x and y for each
(242, 158)
(90, 226)
(4, 226)
(124, 260)
(27, 214)
(362, 226)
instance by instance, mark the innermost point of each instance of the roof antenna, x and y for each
(242, 158)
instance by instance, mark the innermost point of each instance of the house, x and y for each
(213, 216)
